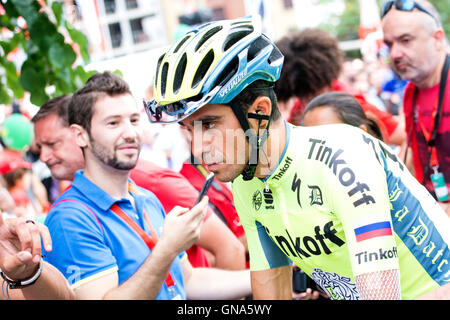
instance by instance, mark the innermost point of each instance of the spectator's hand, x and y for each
(182, 226)
(20, 247)
(308, 295)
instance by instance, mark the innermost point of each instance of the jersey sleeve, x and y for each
(79, 249)
(264, 254)
(361, 202)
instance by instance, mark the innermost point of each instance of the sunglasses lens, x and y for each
(405, 5)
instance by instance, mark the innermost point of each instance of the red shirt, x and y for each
(219, 195)
(172, 189)
(427, 101)
(19, 196)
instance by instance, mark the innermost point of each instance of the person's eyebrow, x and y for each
(205, 118)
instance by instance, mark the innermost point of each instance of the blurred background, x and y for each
(129, 35)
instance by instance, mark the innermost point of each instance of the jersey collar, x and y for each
(279, 167)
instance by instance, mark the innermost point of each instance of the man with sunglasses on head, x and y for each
(418, 50)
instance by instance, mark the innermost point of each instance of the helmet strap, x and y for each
(256, 141)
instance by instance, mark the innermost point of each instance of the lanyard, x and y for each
(149, 241)
(436, 116)
(433, 160)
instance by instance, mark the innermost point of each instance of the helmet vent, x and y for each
(203, 68)
(236, 34)
(179, 73)
(164, 72)
(159, 64)
(207, 35)
(228, 72)
(275, 55)
(181, 43)
(256, 47)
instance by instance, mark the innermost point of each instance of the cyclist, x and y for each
(332, 199)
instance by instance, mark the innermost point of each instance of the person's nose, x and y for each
(200, 142)
(45, 154)
(395, 51)
(130, 131)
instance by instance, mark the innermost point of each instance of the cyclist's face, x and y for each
(412, 43)
(58, 148)
(115, 137)
(218, 140)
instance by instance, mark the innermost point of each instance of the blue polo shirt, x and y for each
(91, 241)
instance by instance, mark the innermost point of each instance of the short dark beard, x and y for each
(111, 160)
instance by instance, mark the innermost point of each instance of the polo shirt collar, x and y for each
(93, 192)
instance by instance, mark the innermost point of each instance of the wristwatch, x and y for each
(17, 284)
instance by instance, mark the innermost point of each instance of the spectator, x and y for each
(418, 50)
(105, 214)
(312, 65)
(16, 173)
(339, 107)
(16, 136)
(63, 156)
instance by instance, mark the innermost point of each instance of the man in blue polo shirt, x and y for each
(111, 239)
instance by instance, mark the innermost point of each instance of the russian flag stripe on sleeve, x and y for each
(373, 230)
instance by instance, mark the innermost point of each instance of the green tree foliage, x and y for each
(443, 6)
(50, 60)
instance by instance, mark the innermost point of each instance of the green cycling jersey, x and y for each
(340, 204)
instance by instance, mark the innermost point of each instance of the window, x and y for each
(115, 32)
(131, 4)
(137, 31)
(110, 6)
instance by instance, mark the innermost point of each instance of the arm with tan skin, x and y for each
(181, 230)
(272, 284)
(20, 254)
(398, 137)
(227, 251)
(215, 284)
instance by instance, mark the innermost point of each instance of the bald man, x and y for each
(418, 50)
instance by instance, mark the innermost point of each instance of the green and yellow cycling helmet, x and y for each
(211, 65)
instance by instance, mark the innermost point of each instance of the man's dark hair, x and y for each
(81, 107)
(258, 88)
(348, 109)
(312, 60)
(58, 106)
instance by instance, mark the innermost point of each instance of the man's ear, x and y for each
(262, 105)
(81, 135)
(439, 36)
